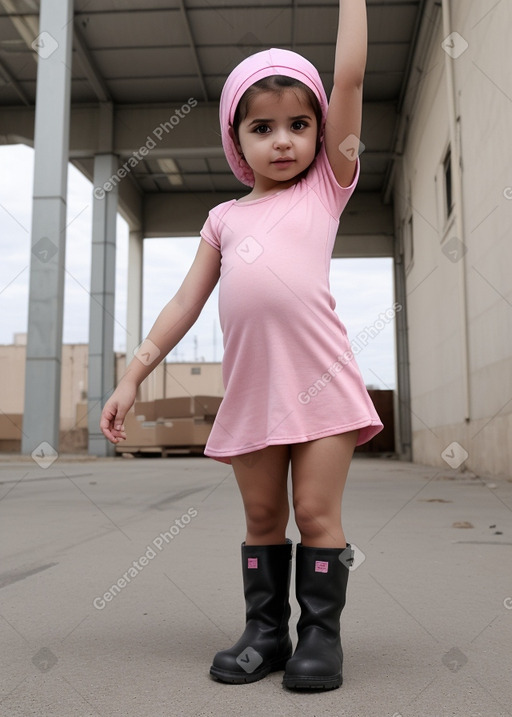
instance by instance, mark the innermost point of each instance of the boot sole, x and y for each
(312, 683)
(236, 678)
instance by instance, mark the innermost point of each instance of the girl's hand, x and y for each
(115, 410)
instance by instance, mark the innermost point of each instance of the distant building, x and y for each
(168, 380)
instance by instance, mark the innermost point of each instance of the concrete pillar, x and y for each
(47, 262)
(134, 298)
(403, 432)
(101, 375)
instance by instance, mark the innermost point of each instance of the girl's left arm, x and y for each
(346, 103)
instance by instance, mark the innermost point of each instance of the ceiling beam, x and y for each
(193, 48)
(89, 67)
(27, 26)
(196, 135)
(414, 72)
(11, 80)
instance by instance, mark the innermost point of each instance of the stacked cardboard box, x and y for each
(170, 422)
(10, 431)
(139, 433)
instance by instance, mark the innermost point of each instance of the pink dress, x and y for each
(288, 371)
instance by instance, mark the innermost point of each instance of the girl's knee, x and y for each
(313, 521)
(265, 518)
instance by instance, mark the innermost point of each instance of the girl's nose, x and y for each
(282, 139)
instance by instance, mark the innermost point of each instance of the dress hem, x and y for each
(224, 456)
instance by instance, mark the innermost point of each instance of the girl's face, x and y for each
(278, 137)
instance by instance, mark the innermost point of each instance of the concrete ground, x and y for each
(427, 630)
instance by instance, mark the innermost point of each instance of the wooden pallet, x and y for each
(163, 451)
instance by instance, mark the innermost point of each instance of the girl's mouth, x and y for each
(283, 163)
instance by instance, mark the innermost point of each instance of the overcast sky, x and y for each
(362, 287)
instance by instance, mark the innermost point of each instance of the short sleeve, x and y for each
(320, 178)
(208, 232)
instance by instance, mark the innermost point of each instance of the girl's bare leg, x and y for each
(319, 474)
(262, 479)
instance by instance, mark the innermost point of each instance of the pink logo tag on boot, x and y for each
(321, 566)
(252, 563)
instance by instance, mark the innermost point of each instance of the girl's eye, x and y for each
(299, 125)
(262, 129)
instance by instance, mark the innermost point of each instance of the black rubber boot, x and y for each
(265, 645)
(321, 585)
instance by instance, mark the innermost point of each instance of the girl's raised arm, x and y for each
(173, 322)
(343, 125)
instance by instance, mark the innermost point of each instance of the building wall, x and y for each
(171, 380)
(12, 378)
(441, 267)
(181, 379)
(73, 382)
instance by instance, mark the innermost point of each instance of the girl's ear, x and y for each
(234, 138)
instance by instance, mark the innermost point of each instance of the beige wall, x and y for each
(180, 379)
(12, 378)
(435, 283)
(73, 384)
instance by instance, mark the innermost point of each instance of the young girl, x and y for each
(293, 393)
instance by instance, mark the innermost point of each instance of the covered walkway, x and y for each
(427, 628)
(128, 92)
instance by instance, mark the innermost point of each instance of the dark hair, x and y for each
(277, 84)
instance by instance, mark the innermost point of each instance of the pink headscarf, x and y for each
(254, 68)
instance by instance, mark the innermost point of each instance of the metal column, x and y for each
(134, 299)
(101, 374)
(46, 298)
(403, 404)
